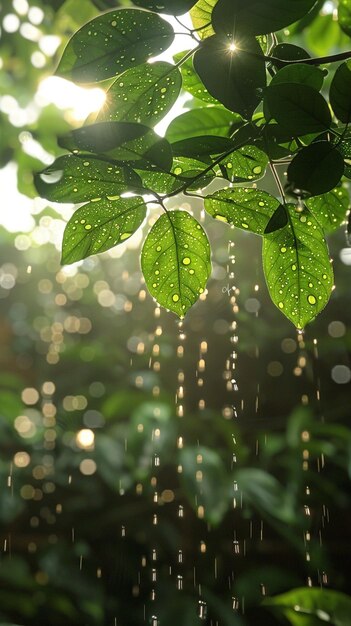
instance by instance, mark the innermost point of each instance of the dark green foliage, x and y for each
(257, 104)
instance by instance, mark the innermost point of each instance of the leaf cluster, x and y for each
(260, 103)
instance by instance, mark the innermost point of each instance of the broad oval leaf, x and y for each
(175, 261)
(191, 81)
(304, 606)
(113, 42)
(340, 92)
(246, 163)
(201, 16)
(74, 179)
(246, 208)
(344, 16)
(297, 267)
(206, 121)
(171, 7)
(143, 94)
(257, 17)
(201, 147)
(315, 170)
(301, 73)
(123, 141)
(298, 109)
(234, 77)
(98, 226)
(289, 52)
(330, 209)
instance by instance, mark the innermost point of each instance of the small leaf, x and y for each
(202, 147)
(301, 73)
(234, 77)
(278, 220)
(171, 7)
(98, 226)
(143, 94)
(113, 42)
(340, 92)
(74, 179)
(207, 121)
(330, 209)
(255, 17)
(315, 170)
(246, 163)
(298, 109)
(266, 494)
(245, 208)
(123, 141)
(344, 16)
(312, 607)
(201, 16)
(191, 80)
(175, 261)
(297, 267)
(289, 52)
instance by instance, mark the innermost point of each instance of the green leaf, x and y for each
(201, 15)
(297, 267)
(298, 109)
(344, 16)
(113, 42)
(246, 163)
(301, 73)
(123, 141)
(175, 261)
(74, 179)
(312, 607)
(344, 147)
(192, 82)
(348, 230)
(315, 170)
(202, 147)
(233, 77)
(98, 226)
(330, 209)
(255, 17)
(183, 170)
(340, 92)
(266, 494)
(143, 94)
(206, 121)
(172, 7)
(246, 208)
(289, 52)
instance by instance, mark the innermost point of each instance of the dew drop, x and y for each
(175, 297)
(311, 299)
(186, 261)
(244, 225)
(87, 226)
(281, 305)
(221, 218)
(257, 169)
(125, 236)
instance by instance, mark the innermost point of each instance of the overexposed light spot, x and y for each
(65, 95)
(11, 23)
(85, 438)
(49, 44)
(15, 214)
(20, 6)
(345, 256)
(232, 47)
(36, 15)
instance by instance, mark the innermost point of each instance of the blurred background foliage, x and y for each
(114, 509)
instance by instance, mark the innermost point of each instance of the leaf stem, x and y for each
(333, 58)
(185, 57)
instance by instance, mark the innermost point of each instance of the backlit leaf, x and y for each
(113, 42)
(74, 179)
(98, 226)
(192, 82)
(246, 163)
(236, 77)
(340, 92)
(312, 607)
(298, 109)
(257, 17)
(297, 267)
(201, 147)
(330, 208)
(246, 208)
(315, 170)
(143, 94)
(175, 261)
(201, 15)
(301, 73)
(206, 121)
(123, 141)
(172, 7)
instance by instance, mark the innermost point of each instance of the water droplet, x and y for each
(311, 299)
(186, 261)
(87, 226)
(175, 297)
(257, 169)
(221, 218)
(261, 203)
(158, 249)
(293, 267)
(281, 305)
(283, 249)
(125, 236)
(244, 225)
